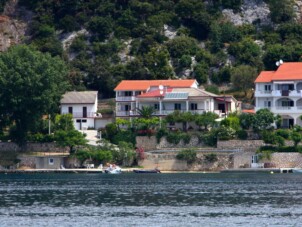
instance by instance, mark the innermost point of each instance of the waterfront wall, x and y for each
(32, 147)
(244, 145)
(168, 162)
(150, 143)
(285, 160)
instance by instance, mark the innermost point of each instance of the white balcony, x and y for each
(263, 93)
(125, 98)
(83, 114)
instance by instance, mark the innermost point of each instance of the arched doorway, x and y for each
(284, 103)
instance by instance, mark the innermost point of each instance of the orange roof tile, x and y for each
(286, 71)
(265, 77)
(155, 93)
(139, 85)
(249, 111)
(289, 71)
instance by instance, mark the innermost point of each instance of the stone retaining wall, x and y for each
(285, 160)
(150, 143)
(168, 162)
(27, 161)
(245, 145)
(32, 147)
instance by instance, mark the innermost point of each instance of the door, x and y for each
(84, 111)
(221, 107)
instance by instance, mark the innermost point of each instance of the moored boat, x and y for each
(113, 170)
(297, 170)
(146, 171)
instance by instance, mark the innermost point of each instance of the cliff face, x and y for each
(257, 11)
(13, 25)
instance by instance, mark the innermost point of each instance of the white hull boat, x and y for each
(297, 170)
(113, 170)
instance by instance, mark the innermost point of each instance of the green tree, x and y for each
(246, 52)
(70, 138)
(243, 77)
(32, 85)
(263, 119)
(146, 111)
(206, 119)
(296, 138)
(281, 10)
(157, 61)
(63, 122)
(182, 46)
(201, 72)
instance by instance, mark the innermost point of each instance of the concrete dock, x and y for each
(259, 170)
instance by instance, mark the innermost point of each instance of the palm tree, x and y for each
(146, 111)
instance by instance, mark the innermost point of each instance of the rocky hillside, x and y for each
(216, 42)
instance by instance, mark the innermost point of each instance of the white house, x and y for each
(83, 107)
(166, 96)
(281, 92)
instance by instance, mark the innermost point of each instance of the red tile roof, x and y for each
(249, 111)
(286, 71)
(265, 77)
(155, 93)
(139, 85)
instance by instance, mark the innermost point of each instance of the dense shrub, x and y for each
(160, 133)
(211, 157)
(124, 135)
(242, 134)
(225, 133)
(41, 138)
(209, 138)
(188, 155)
(174, 138)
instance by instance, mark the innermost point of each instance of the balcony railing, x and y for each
(156, 113)
(125, 98)
(82, 115)
(285, 107)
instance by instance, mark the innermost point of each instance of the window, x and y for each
(287, 103)
(286, 87)
(267, 104)
(50, 161)
(193, 106)
(128, 93)
(267, 87)
(127, 107)
(84, 121)
(156, 106)
(70, 109)
(177, 106)
(84, 111)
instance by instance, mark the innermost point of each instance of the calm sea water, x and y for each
(151, 200)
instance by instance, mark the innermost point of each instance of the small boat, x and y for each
(146, 171)
(113, 170)
(296, 170)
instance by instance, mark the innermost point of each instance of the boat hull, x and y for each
(146, 171)
(297, 170)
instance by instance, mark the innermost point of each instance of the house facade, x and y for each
(83, 107)
(280, 91)
(167, 96)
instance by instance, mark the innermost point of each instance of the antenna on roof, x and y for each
(280, 62)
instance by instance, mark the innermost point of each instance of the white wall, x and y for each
(78, 108)
(85, 125)
(101, 123)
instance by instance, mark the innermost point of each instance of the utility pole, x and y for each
(49, 124)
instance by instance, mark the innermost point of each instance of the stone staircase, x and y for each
(91, 136)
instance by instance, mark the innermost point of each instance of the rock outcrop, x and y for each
(13, 25)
